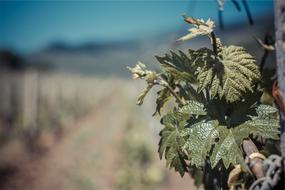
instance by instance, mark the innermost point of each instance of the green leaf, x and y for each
(176, 159)
(201, 137)
(174, 119)
(141, 97)
(228, 147)
(217, 110)
(170, 145)
(265, 124)
(265, 110)
(178, 65)
(266, 128)
(192, 107)
(197, 174)
(209, 128)
(240, 111)
(188, 92)
(209, 139)
(231, 75)
(206, 65)
(215, 86)
(224, 142)
(163, 96)
(240, 72)
(205, 78)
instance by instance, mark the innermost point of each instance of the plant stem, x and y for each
(247, 12)
(175, 95)
(207, 94)
(257, 164)
(214, 43)
(221, 21)
(165, 84)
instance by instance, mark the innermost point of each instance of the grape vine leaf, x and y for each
(201, 137)
(210, 139)
(178, 65)
(170, 144)
(230, 74)
(265, 124)
(163, 95)
(192, 107)
(240, 72)
(228, 147)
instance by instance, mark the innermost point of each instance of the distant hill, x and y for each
(91, 47)
(111, 58)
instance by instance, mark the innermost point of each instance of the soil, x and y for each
(84, 156)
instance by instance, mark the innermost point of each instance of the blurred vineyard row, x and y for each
(33, 102)
(139, 167)
(62, 130)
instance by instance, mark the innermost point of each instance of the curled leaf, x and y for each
(201, 28)
(143, 94)
(140, 71)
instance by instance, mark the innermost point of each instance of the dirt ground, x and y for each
(86, 157)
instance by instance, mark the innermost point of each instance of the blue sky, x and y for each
(26, 26)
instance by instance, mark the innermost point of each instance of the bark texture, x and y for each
(280, 57)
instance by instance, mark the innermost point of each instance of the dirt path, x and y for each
(88, 148)
(87, 157)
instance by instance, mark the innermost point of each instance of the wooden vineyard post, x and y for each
(280, 61)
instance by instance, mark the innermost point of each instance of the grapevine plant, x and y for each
(217, 104)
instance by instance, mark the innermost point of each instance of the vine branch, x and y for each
(165, 84)
(214, 43)
(256, 163)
